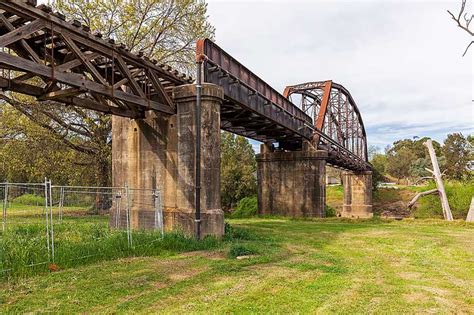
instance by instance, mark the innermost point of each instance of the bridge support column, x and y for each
(292, 183)
(143, 157)
(357, 195)
(212, 216)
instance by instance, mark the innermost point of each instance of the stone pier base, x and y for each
(357, 195)
(291, 183)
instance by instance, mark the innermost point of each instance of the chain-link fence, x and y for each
(48, 226)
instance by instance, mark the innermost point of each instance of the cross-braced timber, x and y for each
(52, 59)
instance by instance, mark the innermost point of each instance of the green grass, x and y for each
(300, 266)
(79, 240)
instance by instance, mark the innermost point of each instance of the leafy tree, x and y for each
(456, 152)
(399, 162)
(379, 164)
(418, 167)
(163, 29)
(238, 169)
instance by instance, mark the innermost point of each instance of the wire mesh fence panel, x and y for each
(46, 226)
(145, 210)
(25, 235)
(83, 226)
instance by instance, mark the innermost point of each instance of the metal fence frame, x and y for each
(55, 195)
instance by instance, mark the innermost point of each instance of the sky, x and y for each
(401, 60)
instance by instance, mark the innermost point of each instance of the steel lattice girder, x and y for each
(338, 122)
(54, 60)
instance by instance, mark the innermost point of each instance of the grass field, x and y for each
(328, 265)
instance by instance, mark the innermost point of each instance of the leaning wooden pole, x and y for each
(439, 182)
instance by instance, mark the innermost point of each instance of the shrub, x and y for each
(330, 211)
(29, 200)
(459, 198)
(246, 207)
(241, 250)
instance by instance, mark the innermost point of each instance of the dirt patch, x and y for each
(407, 275)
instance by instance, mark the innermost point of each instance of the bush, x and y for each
(459, 198)
(330, 211)
(246, 207)
(29, 200)
(241, 250)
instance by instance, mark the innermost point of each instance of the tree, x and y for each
(238, 169)
(457, 154)
(463, 21)
(163, 29)
(399, 162)
(418, 168)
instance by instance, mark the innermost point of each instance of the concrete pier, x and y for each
(158, 152)
(357, 195)
(291, 183)
(212, 216)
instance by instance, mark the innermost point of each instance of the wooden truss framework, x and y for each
(47, 57)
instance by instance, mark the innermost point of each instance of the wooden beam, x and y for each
(23, 42)
(36, 91)
(77, 51)
(21, 32)
(127, 74)
(77, 80)
(61, 93)
(76, 62)
(159, 88)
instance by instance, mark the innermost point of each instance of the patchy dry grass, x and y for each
(302, 267)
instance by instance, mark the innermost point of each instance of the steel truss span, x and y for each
(338, 125)
(47, 57)
(323, 113)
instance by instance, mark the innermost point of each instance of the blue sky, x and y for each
(401, 60)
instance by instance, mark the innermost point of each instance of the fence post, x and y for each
(118, 200)
(158, 211)
(5, 205)
(46, 202)
(61, 204)
(51, 218)
(127, 210)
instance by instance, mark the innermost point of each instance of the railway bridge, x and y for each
(166, 125)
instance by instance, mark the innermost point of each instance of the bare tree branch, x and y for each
(466, 24)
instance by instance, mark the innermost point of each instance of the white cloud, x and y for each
(401, 60)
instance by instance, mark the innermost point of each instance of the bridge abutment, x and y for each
(158, 152)
(292, 183)
(357, 195)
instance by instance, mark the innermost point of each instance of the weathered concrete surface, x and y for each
(144, 156)
(212, 216)
(158, 152)
(357, 195)
(292, 183)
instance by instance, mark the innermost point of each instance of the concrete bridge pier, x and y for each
(357, 195)
(292, 183)
(158, 152)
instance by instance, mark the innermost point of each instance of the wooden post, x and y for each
(470, 214)
(439, 182)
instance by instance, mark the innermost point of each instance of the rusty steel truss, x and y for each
(326, 114)
(45, 56)
(337, 121)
